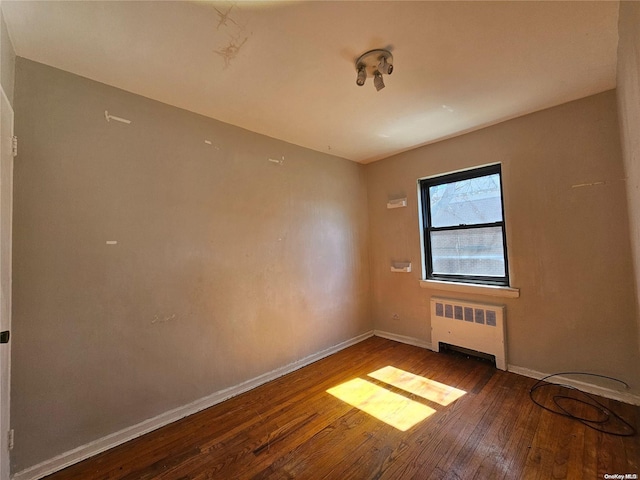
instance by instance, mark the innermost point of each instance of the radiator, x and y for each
(470, 325)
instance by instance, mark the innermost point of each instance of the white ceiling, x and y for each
(286, 69)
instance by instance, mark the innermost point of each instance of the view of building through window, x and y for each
(465, 226)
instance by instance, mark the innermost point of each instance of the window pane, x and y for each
(466, 202)
(476, 251)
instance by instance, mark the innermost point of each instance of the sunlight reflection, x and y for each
(423, 387)
(393, 409)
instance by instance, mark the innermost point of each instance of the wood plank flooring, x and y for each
(293, 428)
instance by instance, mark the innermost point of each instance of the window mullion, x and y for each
(467, 226)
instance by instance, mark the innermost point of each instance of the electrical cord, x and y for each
(604, 416)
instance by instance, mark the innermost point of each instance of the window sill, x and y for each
(489, 290)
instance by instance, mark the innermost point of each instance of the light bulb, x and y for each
(377, 81)
(384, 66)
(362, 75)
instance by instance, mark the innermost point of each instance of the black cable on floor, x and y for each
(604, 416)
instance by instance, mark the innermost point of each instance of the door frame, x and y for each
(6, 148)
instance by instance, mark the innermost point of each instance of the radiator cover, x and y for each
(476, 326)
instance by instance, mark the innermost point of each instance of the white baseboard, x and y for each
(403, 339)
(621, 396)
(105, 443)
(624, 397)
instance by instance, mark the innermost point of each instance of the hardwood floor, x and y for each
(293, 428)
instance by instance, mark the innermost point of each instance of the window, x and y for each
(464, 230)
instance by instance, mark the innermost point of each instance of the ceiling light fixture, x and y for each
(374, 63)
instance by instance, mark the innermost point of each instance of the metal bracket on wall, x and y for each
(4, 336)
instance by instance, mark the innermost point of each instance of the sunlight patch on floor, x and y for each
(393, 409)
(421, 386)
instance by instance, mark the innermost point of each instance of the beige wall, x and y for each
(7, 60)
(629, 114)
(227, 266)
(568, 247)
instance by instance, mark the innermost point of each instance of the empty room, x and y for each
(319, 239)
